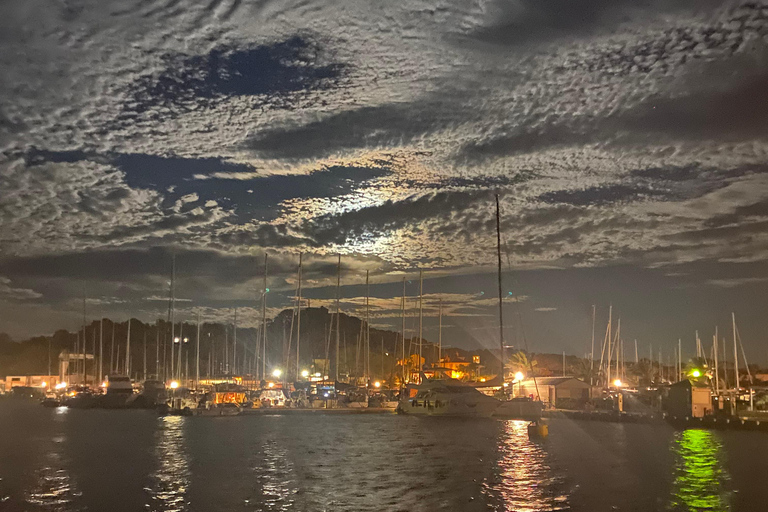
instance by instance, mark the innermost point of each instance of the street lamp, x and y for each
(277, 373)
(617, 383)
(174, 384)
(519, 376)
(176, 339)
(377, 384)
(305, 374)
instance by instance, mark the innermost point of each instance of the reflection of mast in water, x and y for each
(700, 475)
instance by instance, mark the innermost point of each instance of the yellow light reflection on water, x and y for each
(527, 483)
(700, 476)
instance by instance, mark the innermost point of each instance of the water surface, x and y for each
(98, 460)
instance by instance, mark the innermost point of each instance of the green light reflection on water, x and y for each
(700, 474)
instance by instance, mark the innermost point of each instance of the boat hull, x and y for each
(447, 408)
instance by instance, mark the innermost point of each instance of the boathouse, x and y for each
(562, 392)
(685, 400)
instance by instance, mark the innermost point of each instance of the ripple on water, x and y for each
(170, 482)
(526, 481)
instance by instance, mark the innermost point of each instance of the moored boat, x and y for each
(445, 397)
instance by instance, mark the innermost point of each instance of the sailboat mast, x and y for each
(157, 349)
(501, 309)
(264, 326)
(367, 363)
(610, 336)
(145, 354)
(85, 338)
(101, 351)
(592, 353)
(197, 353)
(112, 351)
(617, 344)
(402, 333)
(717, 372)
(128, 350)
(735, 353)
(173, 312)
(338, 314)
(440, 331)
(298, 322)
(421, 316)
(234, 346)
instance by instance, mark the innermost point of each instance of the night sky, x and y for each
(628, 142)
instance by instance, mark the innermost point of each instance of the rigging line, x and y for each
(520, 319)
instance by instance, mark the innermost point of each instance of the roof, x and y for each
(554, 381)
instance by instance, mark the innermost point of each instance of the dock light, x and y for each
(176, 339)
(271, 385)
(277, 373)
(44, 385)
(617, 383)
(61, 385)
(519, 376)
(103, 384)
(186, 340)
(506, 384)
(305, 374)
(696, 374)
(377, 384)
(318, 374)
(174, 384)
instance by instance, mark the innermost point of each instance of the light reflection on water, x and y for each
(169, 483)
(701, 479)
(275, 473)
(54, 488)
(527, 482)
(131, 460)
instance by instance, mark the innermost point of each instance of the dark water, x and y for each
(59, 459)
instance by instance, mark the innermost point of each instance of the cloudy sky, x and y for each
(628, 142)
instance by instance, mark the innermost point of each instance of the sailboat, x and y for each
(520, 407)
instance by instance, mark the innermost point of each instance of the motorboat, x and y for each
(445, 397)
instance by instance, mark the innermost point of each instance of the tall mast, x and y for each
(234, 346)
(592, 353)
(157, 349)
(735, 353)
(298, 323)
(338, 313)
(197, 353)
(440, 331)
(501, 309)
(85, 338)
(717, 373)
(101, 351)
(264, 326)
(402, 333)
(112, 351)
(367, 348)
(617, 343)
(610, 333)
(421, 316)
(145, 354)
(173, 312)
(637, 356)
(128, 350)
